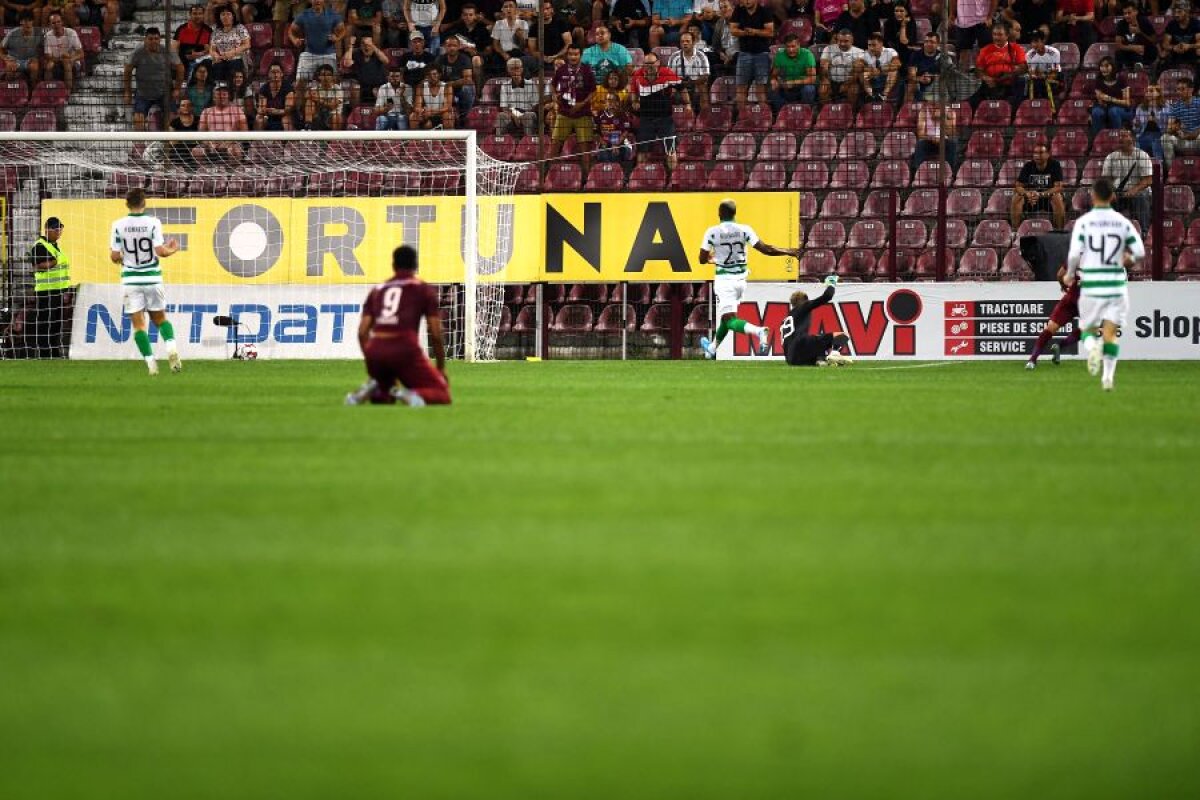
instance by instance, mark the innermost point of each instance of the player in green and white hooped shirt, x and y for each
(725, 246)
(1103, 244)
(137, 245)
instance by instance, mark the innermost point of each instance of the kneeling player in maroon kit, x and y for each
(388, 335)
(1066, 311)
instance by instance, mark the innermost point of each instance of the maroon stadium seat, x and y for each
(856, 263)
(1169, 81)
(564, 176)
(898, 144)
(877, 203)
(1069, 143)
(992, 233)
(689, 176)
(820, 145)
(526, 148)
(794, 117)
(716, 118)
(875, 115)
(1193, 233)
(911, 234)
(281, 56)
(778, 146)
(756, 117)
(1010, 170)
(482, 119)
(491, 90)
(976, 172)
(528, 180)
(835, 117)
(39, 120)
(606, 177)
(906, 116)
(1024, 141)
(986, 144)
(1178, 200)
(1188, 261)
(964, 202)
(722, 91)
(610, 319)
(14, 94)
(1105, 142)
(999, 202)
(892, 173)
(921, 203)
(1174, 232)
(993, 114)
(726, 176)
(1081, 200)
(738, 147)
(658, 318)
(261, 35)
(1036, 113)
(817, 262)
(979, 262)
(573, 318)
(498, 147)
(842, 204)
(49, 94)
(830, 235)
(1185, 171)
(956, 234)
(93, 42)
(362, 118)
(808, 205)
(810, 175)
(802, 27)
(1068, 55)
(1094, 54)
(664, 53)
(1092, 169)
(648, 177)
(1014, 266)
(850, 175)
(1137, 81)
(695, 147)
(8, 121)
(930, 173)
(683, 118)
(1075, 111)
(768, 176)
(858, 144)
(868, 233)
(1034, 226)
(699, 320)
(1083, 86)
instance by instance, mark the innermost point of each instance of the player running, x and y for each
(137, 245)
(803, 349)
(1103, 245)
(388, 336)
(725, 246)
(1064, 312)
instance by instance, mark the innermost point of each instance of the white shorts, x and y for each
(145, 298)
(308, 63)
(728, 290)
(1094, 310)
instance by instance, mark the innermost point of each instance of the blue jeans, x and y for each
(464, 98)
(433, 42)
(1152, 144)
(793, 94)
(391, 122)
(753, 68)
(1107, 117)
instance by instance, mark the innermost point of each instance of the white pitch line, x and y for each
(916, 366)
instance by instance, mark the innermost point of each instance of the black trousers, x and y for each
(49, 324)
(806, 351)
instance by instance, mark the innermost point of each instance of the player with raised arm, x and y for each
(804, 349)
(137, 245)
(1064, 312)
(388, 334)
(1103, 244)
(725, 246)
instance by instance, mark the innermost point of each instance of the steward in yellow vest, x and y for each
(51, 291)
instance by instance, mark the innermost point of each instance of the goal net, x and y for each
(280, 234)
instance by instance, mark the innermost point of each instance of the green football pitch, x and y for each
(600, 580)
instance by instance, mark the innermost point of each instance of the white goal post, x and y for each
(273, 224)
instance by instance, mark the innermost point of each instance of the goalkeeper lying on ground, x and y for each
(802, 349)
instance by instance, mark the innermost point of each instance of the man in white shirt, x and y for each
(841, 69)
(1045, 66)
(881, 68)
(1131, 173)
(518, 102)
(62, 49)
(692, 68)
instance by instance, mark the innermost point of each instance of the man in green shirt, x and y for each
(793, 75)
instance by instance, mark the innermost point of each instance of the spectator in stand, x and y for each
(705, 14)
(668, 21)
(102, 14)
(924, 68)
(1131, 172)
(426, 16)
(1075, 21)
(199, 88)
(1149, 122)
(64, 52)
(613, 86)
(503, 38)
(724, 42)
(1045, 67)
(1136, 39)
(652, 94)
(860, 22)
(455, 67)
(558, 36)
(968, 22)
(281, 17)
(393, 103)
(434, 103)
(13, 9)
(900, 34)
(606, 55)
(1032, 14)
(475, 38)
(191, 40)
(228, 47)
(881, 69)
(158, 75)
(754, 28)
(613, 128)
(793, 74)
(417, 60)
(1039, 189)
(52, 291)
(318, 30)
(825, 16)
(276, 102)
(841, 69)
(221, 116)
(1001, 67)
(691, 66)
(518, 102)
(1179, 47)
(365, 18)
(929, 135)
(322, 109)
(1183, 123)
(254, 10)
(241, 94)
(574, 84)
(185, 120)
(21, 49)
(1111, 103)
(368, 65)
(629, 23)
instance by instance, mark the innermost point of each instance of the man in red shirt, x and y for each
(388, 334)
(1001, 68)
(1075, 21)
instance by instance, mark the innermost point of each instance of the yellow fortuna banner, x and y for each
(525, 238)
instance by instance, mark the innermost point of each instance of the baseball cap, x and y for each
(221, 85)
(416, 35)
(54, 222)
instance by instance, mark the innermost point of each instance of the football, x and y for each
(249, 352)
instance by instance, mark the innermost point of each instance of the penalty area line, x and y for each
(915, 366)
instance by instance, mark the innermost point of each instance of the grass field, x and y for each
(600, 580)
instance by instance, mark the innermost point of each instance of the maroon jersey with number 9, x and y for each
(398, 305)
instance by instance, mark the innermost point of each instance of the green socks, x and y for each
(142, 340)
(737, 325)
(167, 330)
(1111, 349)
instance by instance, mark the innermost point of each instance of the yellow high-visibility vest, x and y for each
(59, 277)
